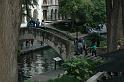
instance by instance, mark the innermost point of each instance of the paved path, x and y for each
(46, 76)
(36, 45)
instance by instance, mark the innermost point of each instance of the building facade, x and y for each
(45, 10)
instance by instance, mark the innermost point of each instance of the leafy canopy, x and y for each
(92, 12)
(70, 7)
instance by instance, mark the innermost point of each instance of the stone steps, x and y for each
(95, 58)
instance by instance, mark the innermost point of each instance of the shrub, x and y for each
(80, 68)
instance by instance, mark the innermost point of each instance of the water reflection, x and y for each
(36, 63)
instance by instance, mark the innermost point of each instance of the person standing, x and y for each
(31, 23)
(42, 23)
(80, 47)
(37, 23)
(32, 42)
(93, 49)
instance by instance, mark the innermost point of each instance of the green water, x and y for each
(36, 62)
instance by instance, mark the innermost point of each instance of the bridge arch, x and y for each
(57, 40)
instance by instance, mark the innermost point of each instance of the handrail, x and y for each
(59, 31)
(48, 32)
(96, 77)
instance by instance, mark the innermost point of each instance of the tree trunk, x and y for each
(10, 17)
(114, 23)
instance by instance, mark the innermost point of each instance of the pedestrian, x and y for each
(26, 43)
(84, 46)
(37, 23)
(80, 47)
(41, 43)
(93, 41)
(42, 23)
(32, 42)
(31, 23)
(85, 49)
(118, 46)
(93, 49)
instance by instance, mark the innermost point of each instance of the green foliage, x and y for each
(26, 4)
(103, 44)
(80, 68)
(92, 36)
(99, 11)
(121, 41)
(70, 7)
(90, 12)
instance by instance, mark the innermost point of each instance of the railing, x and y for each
(46, 31)
(96, 77)
(56, 31)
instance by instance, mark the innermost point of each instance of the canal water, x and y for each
(36, 62)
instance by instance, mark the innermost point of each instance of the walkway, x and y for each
(29, 48)
(46, 76)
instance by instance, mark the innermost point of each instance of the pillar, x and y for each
(40, 10)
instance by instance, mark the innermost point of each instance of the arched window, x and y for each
(44, 14)
(44, 1)
(51, 14)
(55, 14)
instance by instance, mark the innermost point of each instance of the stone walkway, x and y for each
(46, 76)
(36, 45)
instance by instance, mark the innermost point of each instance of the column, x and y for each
(40, 10)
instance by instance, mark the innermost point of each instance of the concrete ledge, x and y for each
(32, 49)
(96, 77)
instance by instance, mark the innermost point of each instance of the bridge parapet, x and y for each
(58, 41)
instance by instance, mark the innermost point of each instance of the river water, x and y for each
(36, 62)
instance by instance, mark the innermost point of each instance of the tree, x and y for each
(92, 12)
(98, 13)
(10, 10)
(26, 4)
(115, 23)
(76, 9)
(80, 68)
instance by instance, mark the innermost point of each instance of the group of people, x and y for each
(29, 42)
(81, 47)
(37, 23)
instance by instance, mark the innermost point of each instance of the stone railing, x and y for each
(97, 77)
(61, 33)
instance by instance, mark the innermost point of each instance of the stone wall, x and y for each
(101, 51)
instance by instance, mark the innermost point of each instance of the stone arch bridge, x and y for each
(58, 40)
